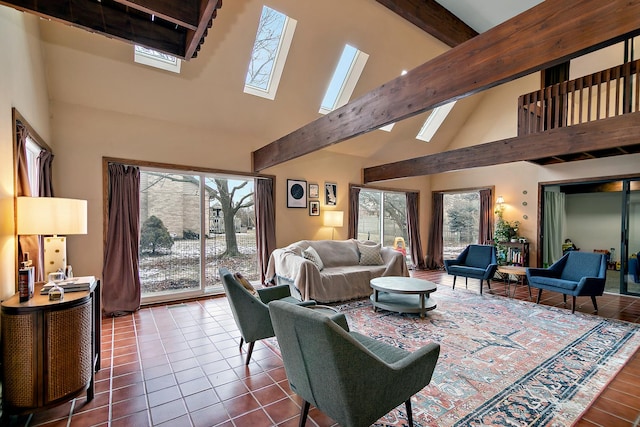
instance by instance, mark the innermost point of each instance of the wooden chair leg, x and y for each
(489, 283)
(407, 404)
(466, 282)
(241, 342)
(251, 344)
(304, 413)
(595, 304)
(454, 282)
(573, 304)
(564, 298)
(539, 295)
(481, 286)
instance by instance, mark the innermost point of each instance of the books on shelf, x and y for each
(75, 284)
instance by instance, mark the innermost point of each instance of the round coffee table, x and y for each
(402, 294)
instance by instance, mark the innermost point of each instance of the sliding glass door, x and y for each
(191, 224)
(630, 280)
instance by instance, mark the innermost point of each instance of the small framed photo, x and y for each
(330, 193)
(314, 208)
(314, 191)
(296, 193)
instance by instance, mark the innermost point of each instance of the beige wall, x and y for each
(22, 85)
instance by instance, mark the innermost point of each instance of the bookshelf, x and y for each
(516, 253)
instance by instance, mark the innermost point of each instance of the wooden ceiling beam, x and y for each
(182, 13)
(431, 17)
(208, 12)
(617, 131)
(550, 33)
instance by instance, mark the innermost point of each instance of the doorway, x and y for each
(600, 215)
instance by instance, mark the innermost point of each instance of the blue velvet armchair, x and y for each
(352, 378)
(475, 261)
(250, 312)
(576, 274)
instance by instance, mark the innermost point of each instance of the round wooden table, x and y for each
(402, 294)
(515, 270)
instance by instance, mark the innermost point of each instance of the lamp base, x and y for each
(55, 254)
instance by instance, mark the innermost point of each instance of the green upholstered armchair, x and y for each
(350, 377)
(250, 312)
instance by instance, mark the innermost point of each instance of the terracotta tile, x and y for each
(282, 410)
(212, 415)
(269, 394)
(255, 418)
(91, 418)
(195, 386)
(128, 407)
(139, 419)
(231, 390)
(201, 400)
(160, 383)
(167, 411)
(163, 396)
(127, 392)
(240, 405)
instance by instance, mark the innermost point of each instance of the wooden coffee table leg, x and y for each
(422, 304)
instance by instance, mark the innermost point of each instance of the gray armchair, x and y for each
(350, 377)
(475, 261)
(575, 274)
(251, 313)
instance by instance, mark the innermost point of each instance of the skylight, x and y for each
(269, 54)
(434, 121)
(345, 77)
(156, 59)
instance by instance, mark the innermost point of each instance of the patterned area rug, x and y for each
(503, 362)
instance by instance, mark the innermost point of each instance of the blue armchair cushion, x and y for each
(479, 256)
(577, 267)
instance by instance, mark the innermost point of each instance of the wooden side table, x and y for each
(50, 349)
(515, 270)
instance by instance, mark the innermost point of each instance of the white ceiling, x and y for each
(482, 15)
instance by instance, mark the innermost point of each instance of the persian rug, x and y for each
(503, 362)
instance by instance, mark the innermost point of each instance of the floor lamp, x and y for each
(51, 217)
(333, 219)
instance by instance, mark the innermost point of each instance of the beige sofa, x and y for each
(342, 278)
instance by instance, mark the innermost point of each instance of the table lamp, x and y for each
(52, 217)
(333, 219)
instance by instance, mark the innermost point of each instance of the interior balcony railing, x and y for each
(604, 94)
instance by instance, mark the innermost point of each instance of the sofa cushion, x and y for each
(463, 270)
(553, 283)
(313, 256)
(245, 283)
(335, 253)
(479, 256)
(370, 255)
(581, 264)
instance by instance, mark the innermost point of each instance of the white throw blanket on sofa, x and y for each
(343, 277)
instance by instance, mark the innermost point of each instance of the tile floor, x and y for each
(179, 365)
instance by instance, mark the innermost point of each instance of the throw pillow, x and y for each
(370, 255)
(245, 283)
(312, 255)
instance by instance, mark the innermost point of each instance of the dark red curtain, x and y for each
(265, 223)
(435, 257)
(120, 275)
(354, 212)
(413, 228)
(485, 233)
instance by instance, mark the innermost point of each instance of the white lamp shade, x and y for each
(500, 200)
(51, 215)
(333, 218)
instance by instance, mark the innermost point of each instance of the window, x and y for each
(156, 59)
(382, 216)
(434, 121)
(461, 222)
(33, 151)
(269, 54)
(190, 225)
(345, 77)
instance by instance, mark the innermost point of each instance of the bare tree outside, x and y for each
(265, 48)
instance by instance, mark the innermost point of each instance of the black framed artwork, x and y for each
(296, 193)
(330, 193)
(314, 208)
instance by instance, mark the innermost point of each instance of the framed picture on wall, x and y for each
(314, 208)
(330, 193)
(314, 191)
(296, 193)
